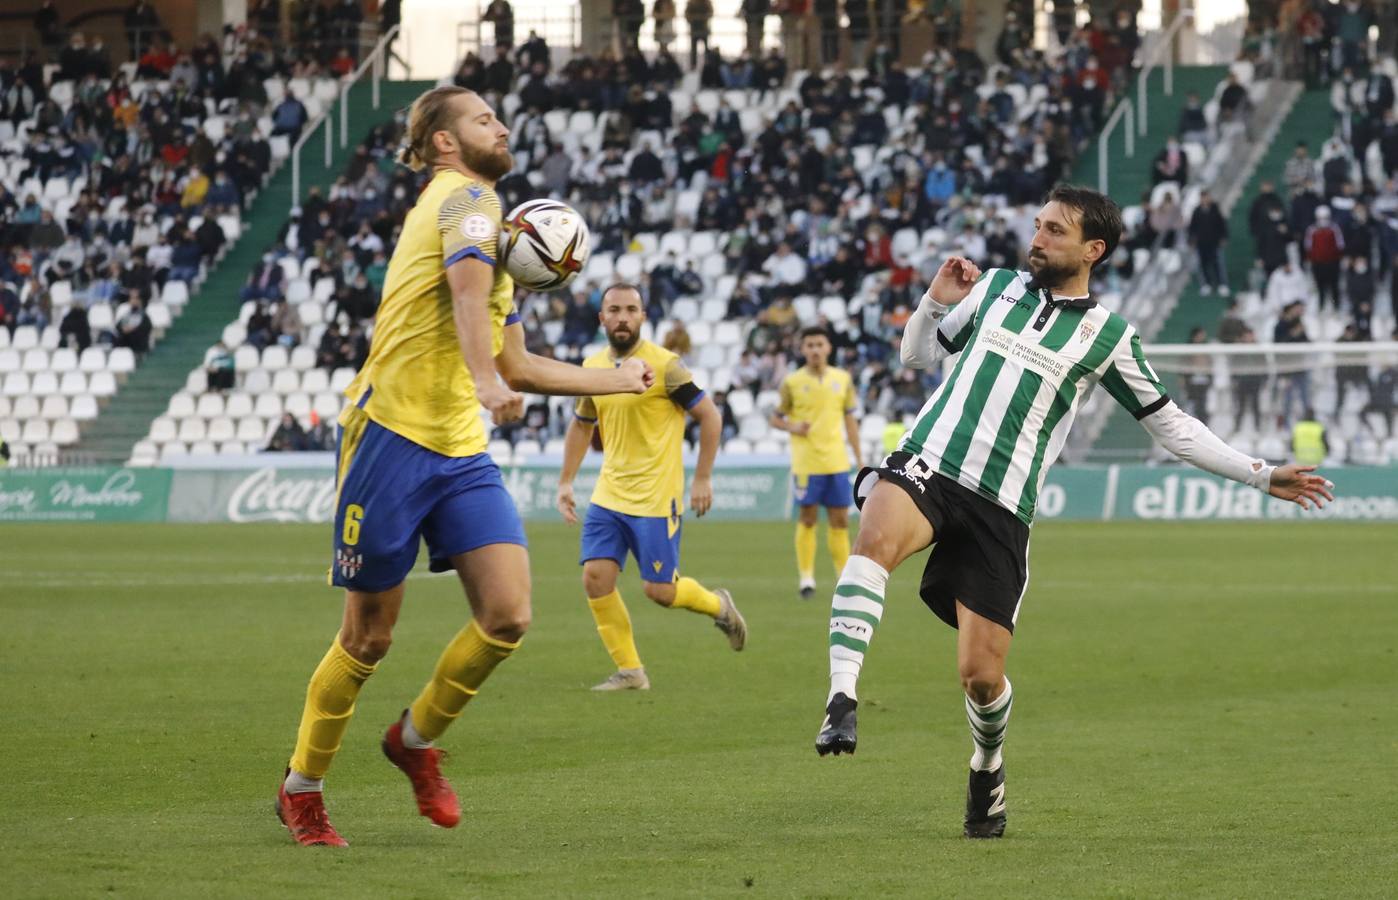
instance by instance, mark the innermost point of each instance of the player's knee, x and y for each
(809, 515)
(981, 683)
(597, 584)
(664, 594)
(367, 647)
(508, 625)
(877, 543)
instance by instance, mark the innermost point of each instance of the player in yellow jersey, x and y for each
(413, 467)
(637, 504)
(817, 410)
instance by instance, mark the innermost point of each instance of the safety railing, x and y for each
(375, 64)
(1136, 117)
(1164, 46)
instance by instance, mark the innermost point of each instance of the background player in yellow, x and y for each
(817, 409)
(413, 466)
(639, 497)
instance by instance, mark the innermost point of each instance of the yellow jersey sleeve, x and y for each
(469, 223)
(585, 409)
(787, 401)
(679, 384)
(851, 399)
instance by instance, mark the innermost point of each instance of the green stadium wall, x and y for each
(273, 493)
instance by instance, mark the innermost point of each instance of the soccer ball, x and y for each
(544, 244)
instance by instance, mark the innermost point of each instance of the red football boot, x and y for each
(435, 798)
(304, 816)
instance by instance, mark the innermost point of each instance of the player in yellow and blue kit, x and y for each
(817, 409)
(413, 467)
(637, 504)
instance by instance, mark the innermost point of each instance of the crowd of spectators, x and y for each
(147, 183)
(827, 191)
(1324, 229)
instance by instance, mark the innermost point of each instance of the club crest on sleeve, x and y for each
(476, 227)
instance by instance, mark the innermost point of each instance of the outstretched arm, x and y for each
(1192, 441)
(525, 371)
(1132, 382)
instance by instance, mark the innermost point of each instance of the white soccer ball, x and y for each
(544, 244)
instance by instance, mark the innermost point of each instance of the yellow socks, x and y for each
(614, 627)
(466, 663)
(329, 704)
(838, 539)
(805, 551)
(690, 594)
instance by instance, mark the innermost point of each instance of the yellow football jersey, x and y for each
(642, 435)
(415, 382)
(822, 401)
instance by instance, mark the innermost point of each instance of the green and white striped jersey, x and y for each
(1001, 417)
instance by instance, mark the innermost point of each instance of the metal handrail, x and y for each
(1136, 118)
(374, 59)
(1123, 109)
(1166, 42)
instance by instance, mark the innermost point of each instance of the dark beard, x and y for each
(1050, 276)
(622, 346)
(489, 164)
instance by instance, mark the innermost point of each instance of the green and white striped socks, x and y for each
(855, 611)
(988, 728)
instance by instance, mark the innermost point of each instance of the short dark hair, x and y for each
(814, 331)
(622, 286)
(1098, 215)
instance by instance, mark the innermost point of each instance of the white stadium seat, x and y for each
(102, 384)
(246, 358)
(181, 406)
(268, 406)
(64, 433)
(314, 381)
(163, 429)
(222, 429)
(192, 429)
(239, 404)
(121, 361)
(93, 359)
(36, 360)
(172, 450)
(274, 357)
(286, 381)
(55, 407)
(251, 429)
(209, 406)
(43, 384)
(84, 408)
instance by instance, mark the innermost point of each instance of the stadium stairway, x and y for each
(1122, 438)
(147, 391)
(1130, 176)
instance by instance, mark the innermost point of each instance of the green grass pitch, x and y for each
(1206, 710)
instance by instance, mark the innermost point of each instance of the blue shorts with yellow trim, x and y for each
(653, 540)
(392, 492)
(822, 490)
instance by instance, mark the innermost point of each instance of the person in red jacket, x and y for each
(1324, 244)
